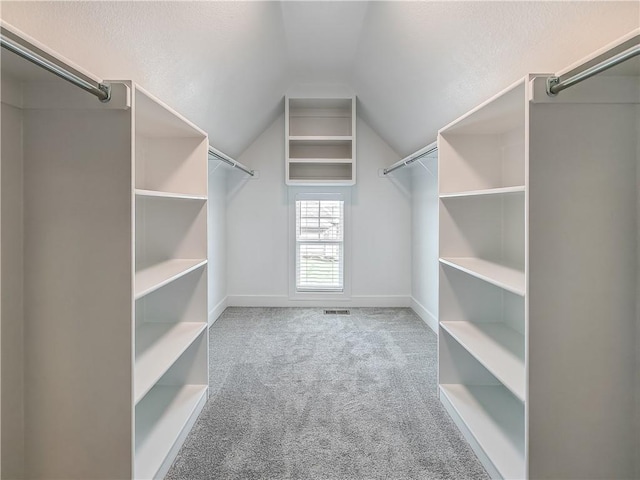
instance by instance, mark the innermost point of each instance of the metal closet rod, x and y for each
(100, 90)
(556, 85)
(229, 161)
(410, 160)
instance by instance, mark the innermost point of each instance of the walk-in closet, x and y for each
(322, 240)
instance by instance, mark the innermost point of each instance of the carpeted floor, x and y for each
(298, 394)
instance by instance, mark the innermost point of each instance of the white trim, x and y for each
(425, 315)
(284, 301)
(216, 311)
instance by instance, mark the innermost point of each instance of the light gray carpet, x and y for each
(298, 394)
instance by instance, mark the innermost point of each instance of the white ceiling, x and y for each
(415, 66)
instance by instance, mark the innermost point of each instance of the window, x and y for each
(319, 257)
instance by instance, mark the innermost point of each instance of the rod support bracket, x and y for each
(106, 88)
(551, 84)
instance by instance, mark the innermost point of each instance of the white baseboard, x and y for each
(426, 316)
(285, 301)
(217, 310)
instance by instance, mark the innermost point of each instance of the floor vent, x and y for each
(337, 312)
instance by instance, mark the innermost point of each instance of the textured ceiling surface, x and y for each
(415, 66)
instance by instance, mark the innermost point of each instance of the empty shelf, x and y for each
(494, 419)
(158, 346)
(320, 160)
(320, 138)
(156, 194)
(510, 279)
(489, 191)
(499, 348)
(161, 419)
(152, 278)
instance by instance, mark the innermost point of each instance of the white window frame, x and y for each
(320, 193)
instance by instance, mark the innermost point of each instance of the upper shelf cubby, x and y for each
(170, 151)
(320, 141)
(485, 149)
(325, 117)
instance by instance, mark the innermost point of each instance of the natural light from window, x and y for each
(320, 245)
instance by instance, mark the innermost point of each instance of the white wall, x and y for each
(637, 403)
(424, 239)
(12, 375)
(217, 239)
(257, 223)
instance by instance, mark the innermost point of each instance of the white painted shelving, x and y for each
(492, 418)
(162, 421)
(320, 141)
(153, 193)
(511, 279)
(497, 347)
(171, 354)
(488, 191)
(114, 272)
(158, 346)
(157, 276)
(538, 282)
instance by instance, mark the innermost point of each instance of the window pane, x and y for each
(319, 266)
(319, 244)
(319, 220)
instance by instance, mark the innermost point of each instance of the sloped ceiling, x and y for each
(415, 66)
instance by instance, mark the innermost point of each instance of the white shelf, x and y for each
(156, 194)
(323, 183)
(158, 346)
(499, 348)
(320, 138)
(510, 279)
(321, 160)
(152, 278)
(161, 418)
(494, 419)
(489, 191)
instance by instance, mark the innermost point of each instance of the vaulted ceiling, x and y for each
(415, 66)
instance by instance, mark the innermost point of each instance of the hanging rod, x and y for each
(555, 85)
(228, 160)
(100, 90)
(408, 160)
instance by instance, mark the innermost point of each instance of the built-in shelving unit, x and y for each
(171, 359)
(320, 141)
(482, 371)
(538, 275)
(111, 218)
